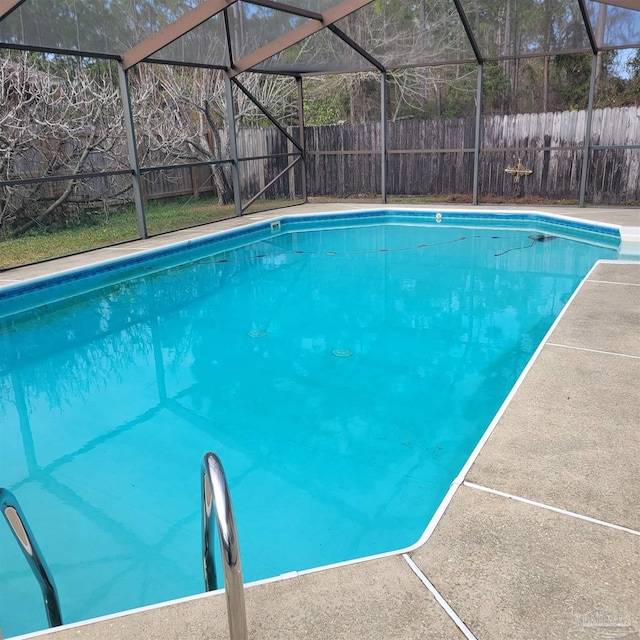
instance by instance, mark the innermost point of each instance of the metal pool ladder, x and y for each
(216, 508)
(20, 528)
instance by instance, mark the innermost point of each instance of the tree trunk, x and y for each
(357, 102)
(545, 84)
(545, 68)
(219, 172)
(507, 65)
(221, 182)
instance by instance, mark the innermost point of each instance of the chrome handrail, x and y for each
(216, 505)
(20, 528)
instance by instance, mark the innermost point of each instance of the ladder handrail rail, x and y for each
(216, 505)
(19, 526)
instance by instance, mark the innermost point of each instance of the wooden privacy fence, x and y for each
(267, 144)
(430, 157)
(427, 157)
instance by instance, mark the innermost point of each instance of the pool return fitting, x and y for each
(20, 528)
(217, 509)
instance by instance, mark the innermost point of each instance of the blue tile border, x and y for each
(128, 262)
(292, 222)
(467, 216)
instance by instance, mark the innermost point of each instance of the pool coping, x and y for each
(458, 482)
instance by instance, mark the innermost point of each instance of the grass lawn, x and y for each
(120, 226)
(171, 215)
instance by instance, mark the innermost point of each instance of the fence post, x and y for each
(125, 96)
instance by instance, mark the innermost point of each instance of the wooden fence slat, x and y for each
(613, 175)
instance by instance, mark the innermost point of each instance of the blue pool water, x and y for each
(343, 375)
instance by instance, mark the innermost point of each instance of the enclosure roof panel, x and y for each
(322, 52)
(253, 26)
(312, 5)
(403, 34)
(510, 29)
(89, 25)
(626, 4)
(205, 44)
(296, 35)
(277, 34)
(614, 26)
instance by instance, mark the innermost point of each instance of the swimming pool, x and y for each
(343, 375)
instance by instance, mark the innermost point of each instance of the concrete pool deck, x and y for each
(541, 538)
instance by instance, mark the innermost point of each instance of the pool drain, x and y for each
(257, 333)
(342, 353)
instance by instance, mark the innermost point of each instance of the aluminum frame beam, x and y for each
(227, 36)
(469, 31)
(290, 71)
(272, 182)
(125, 94)
(64, 178)
(634, 5)
(185, 23)
(587, 133)
(7, 6)
(356, 47)
(286, 8)
(478, 133)
(383, 136)
(587, 25)
(303, 144)
(266, 112)
(539, 54)
(233, 143)
(184, 165)
(296, 35)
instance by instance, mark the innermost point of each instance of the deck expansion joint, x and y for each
(548, 507)
(627, 284)
(441, 601)
(607, 353)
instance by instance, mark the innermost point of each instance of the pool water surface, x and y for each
(343, 372)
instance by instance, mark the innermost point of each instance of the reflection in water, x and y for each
(109, 399)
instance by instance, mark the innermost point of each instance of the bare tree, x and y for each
(398, 35)
(181, 115)
(61, 124)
